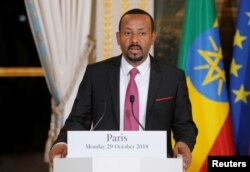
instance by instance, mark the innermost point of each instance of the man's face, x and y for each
(135, 38)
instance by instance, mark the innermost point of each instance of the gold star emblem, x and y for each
(241, 94)
(214, 71)
(248, 14)
(216, 23)
(234, 68)
(238, 39)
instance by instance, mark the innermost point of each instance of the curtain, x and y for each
(61, 31)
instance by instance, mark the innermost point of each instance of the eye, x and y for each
(127, 33)
(142, 33)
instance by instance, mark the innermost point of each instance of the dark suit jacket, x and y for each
(168, 104)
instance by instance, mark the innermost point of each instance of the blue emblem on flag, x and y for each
(206, 68)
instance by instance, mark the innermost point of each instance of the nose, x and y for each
(134, 38)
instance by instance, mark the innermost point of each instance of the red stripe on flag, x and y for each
(223, 144)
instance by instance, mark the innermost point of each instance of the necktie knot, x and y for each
(133, 72)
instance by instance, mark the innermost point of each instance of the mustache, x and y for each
(134, 46)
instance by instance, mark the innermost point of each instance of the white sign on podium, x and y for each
(117, 144)
(113, 151)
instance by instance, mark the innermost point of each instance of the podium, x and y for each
(117, 151)
(117, 164)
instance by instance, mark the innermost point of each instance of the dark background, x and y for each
(25, 107)
(24, 101)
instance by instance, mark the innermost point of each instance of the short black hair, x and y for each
(138, 11)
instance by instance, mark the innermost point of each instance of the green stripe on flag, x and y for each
(199, 16)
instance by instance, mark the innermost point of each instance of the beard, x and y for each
(134, 57)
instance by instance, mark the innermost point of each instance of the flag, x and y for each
(201, 58)
(240, 80)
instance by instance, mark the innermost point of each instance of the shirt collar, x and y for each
(126, 67)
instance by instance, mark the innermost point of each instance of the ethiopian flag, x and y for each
(201, 58)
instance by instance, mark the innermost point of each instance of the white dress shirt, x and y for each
(142, 82)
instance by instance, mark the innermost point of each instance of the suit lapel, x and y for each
(114, 86)
(154, 83)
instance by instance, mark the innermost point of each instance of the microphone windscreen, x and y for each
(132, 98)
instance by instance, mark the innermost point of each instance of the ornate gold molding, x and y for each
(125, 5)
(21, 72)
(107, 29)
(143, 4)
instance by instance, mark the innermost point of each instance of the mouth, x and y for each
(135, 49)
(135, 53)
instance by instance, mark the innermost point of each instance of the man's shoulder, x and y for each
(164, 67)
(113, 61)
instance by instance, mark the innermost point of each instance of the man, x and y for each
(163, 100)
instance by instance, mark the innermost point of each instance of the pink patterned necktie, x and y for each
(129, 121)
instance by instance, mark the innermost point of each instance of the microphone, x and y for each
(132, 100)
(103, 114)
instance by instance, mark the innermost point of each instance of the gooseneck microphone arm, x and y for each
(132, 100)
(103, 114)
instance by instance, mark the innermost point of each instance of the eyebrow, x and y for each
(137, 29)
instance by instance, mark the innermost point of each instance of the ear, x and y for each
(153, 37)
(118, 37)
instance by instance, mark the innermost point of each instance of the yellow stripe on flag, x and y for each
(209, 117)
